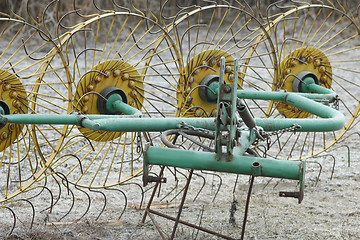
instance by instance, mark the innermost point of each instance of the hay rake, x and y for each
(211, 87)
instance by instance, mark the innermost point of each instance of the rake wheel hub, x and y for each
(191, 97)
(13, 101)
(107, 75)
(307, 59)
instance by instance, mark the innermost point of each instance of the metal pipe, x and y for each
(239, 164)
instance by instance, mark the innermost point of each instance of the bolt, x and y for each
(133, 94)
(322, 69)
(90, 87)
(198, 113)
(16, 103)
(188, 90)
(227, 89)
(11, 127)
(293, 63)
(98, 78)
(4, 135)
(131, 84)
(117, 72)
(191, 80)
(204, 63)
(287, 71)
(196, 71)
(213, 62)
(310, 59)
(323, 78)
(232, 77)
(13, 94)
(227, 69)
(132, 103)
(107, 73)
(6, 86)
(86, 98)
(189, 99)
(125, 76)
(317, 63)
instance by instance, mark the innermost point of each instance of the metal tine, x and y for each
(220, 182)
(88, 205)
(141, 189)
(334, 160)
(14, 219)
(125, 198)
(202, 186)
(105, 201)
(320, 170)
(32, 208)
(342, 146)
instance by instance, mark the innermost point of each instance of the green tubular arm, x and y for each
(330, 120)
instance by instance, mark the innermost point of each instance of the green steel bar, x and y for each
(311, 87)
(115, 104)
(239, 164)
(331, 119)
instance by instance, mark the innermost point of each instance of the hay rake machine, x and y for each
(212, 87)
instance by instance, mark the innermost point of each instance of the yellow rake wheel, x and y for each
(26, 69)
(111, 50)
(325, 41)
(203, 35)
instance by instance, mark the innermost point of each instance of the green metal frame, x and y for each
(312, 98)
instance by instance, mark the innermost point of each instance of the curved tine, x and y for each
(105, 200)
(88, 205)
(334, 160)
(236, 181)
(341, 146)
(320, 170)
(72, 155)
(136, 10)
(32, 58)
(202, 186)
(282, 48)
(44, 13)
(32, 208)
(52, 200)
(175, 186)
(14, 217)
(72, 202)
(165, 134)
(141, 188)
(61, 25)
(125, 197)
(76, 58)
(268, 182)
(29, 14)
(274, 4)
(121, 7)
(220, 182)
(189, 29)
(188, 55)
(83, 136)
(102, 10)
(88, 93)
(12, 12)
(77, 11)
(176, 195)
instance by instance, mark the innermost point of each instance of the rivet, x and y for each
(98, 78)
(131, 84)
(293, 63)
(287, 71)
(232, 77)
(189, 99)
(133, 94)
(125, 76)
(227, 69)
(191, 80)
(323, 78)
(196, 71)
(188, 90)
(11, 127)
(317, 63)
(16, 103)
(90, 87)
(310, 59)
(13, 94)
(213, 62)
(322, 69)
(86, 98)
(204, 63)
(117, 73)
(198, 113)
(6, 86)
(107, 73)
(4, 135)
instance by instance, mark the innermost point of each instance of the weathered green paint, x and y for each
(239, 164)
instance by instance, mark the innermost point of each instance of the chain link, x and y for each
(192, 128)
(293, 128)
